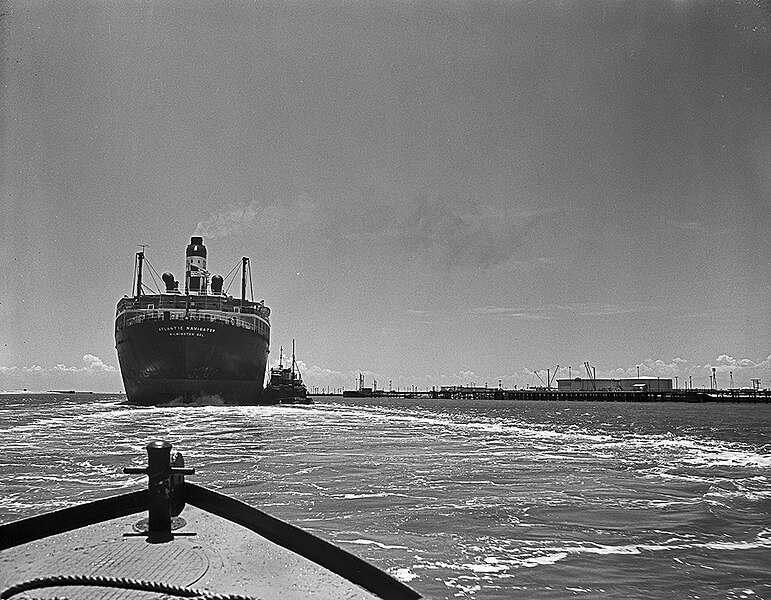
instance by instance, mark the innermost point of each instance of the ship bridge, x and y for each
(168, 307)
(203, 300)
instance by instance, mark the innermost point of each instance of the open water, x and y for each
(487, 500)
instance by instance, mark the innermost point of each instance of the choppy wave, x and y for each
(489, 500)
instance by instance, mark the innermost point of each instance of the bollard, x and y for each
(162, 490)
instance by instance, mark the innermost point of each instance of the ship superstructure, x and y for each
(199, 345)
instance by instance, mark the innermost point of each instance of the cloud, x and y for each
(742, 370)
(598, 309)
(555, 311)
(467, 234)
(451, 232)
(15, 369)
(729, 362)
(321, 377)
(93, 364)
(324, 376)
(538, 314)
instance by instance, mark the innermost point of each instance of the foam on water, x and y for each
(485, 501)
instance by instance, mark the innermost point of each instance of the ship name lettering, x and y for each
(186, 330)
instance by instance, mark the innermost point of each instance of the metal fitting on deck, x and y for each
(165, 485)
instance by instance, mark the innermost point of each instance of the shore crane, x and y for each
(591, 373)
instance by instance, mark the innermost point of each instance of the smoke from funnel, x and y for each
(229, 222)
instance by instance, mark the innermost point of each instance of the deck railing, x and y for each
(178, 302)
(236, 319)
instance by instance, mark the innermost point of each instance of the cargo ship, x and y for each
(196, 346)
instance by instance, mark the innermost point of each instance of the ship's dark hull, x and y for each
(192, 361)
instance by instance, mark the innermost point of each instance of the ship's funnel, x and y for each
(195, 261)
(216, 284)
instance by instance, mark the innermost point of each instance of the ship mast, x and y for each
(244, 263)
(140, 262)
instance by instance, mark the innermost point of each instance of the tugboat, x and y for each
(216, 547)
(286, 384)
(200, 346)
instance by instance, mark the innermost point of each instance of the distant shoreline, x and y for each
(38, 392)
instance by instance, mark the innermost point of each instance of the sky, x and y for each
(430, 193)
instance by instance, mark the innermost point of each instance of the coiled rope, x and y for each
(117, 582)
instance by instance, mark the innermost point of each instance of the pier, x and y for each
(553, 395)
(694, 396)
(590, 389)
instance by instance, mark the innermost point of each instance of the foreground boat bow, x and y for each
(95, 544)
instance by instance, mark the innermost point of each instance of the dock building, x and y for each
(638, 384)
